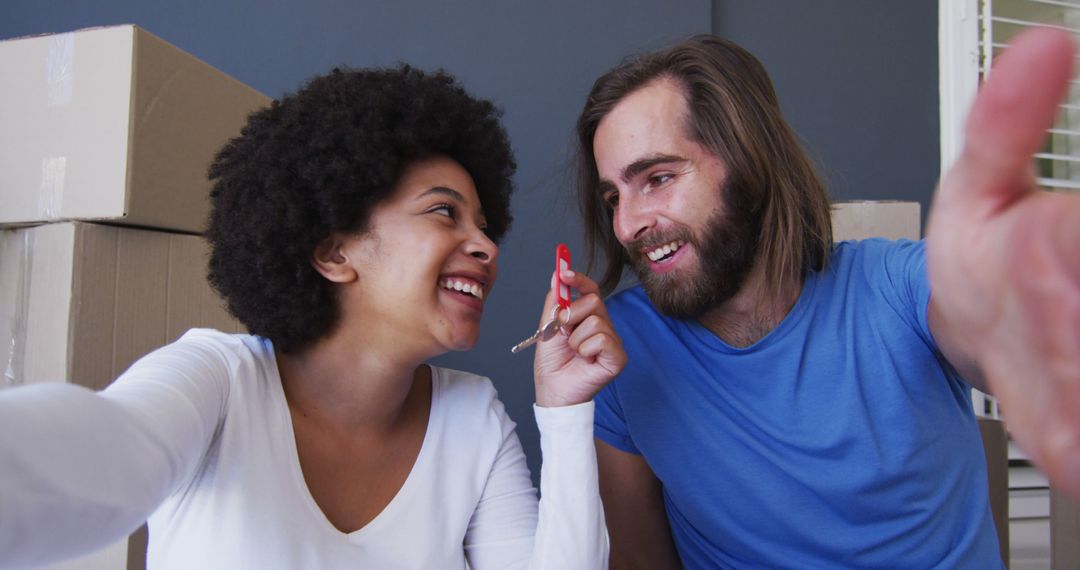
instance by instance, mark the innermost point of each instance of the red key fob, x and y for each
(562, 262)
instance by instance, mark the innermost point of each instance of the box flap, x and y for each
(184, 111)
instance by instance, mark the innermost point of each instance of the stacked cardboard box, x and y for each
(105, 140)
(890, 219)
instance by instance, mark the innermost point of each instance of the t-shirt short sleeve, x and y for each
(609, 423)
(903, 279)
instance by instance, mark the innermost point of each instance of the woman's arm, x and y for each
(569, 370)
(571, 532)
(81, 469)
(505, 531)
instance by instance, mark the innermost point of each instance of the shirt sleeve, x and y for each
(908, 287)
(610, 423)
(82, 469)
(569, 531)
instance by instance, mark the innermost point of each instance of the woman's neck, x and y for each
(351, 380)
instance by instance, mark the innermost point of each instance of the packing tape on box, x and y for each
(60, 69)
(60, 79)
(16, 358)
(51, 194)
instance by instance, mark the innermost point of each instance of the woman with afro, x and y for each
(354, 232)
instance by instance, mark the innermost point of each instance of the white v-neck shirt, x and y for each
(199, 434)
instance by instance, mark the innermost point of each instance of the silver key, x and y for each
(546, 332)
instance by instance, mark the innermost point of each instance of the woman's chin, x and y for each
(464, 346)
(461, 343)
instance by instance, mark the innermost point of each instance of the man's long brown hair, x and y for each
(735, 114)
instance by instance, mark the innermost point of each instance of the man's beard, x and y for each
(726, 251)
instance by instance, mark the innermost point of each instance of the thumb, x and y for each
(1009, 118)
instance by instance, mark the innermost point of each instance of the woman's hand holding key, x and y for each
(584, 355)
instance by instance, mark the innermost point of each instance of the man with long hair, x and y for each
(795, 402)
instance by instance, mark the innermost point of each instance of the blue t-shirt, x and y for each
(841, 439)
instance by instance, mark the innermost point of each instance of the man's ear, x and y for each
(331, 260)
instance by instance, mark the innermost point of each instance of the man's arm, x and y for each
(1004, 259)
(634, 508)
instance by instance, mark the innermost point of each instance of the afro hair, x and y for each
(317, 162)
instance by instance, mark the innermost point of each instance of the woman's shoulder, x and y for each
(229, 346)
(216, 337)
(208, 354)
(460, 386)
(467, 415)
(464, 395)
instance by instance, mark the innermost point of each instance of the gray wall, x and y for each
(536, 60)
(858, 80)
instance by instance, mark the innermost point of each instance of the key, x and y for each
(545, 332)
(554, 325)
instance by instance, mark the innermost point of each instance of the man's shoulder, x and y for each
(874, 254)
(630, 301)
(893, 271)
(873, 247)
(631, 310)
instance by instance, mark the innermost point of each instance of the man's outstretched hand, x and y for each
(1004, 258)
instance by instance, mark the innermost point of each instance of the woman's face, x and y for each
(425, 267)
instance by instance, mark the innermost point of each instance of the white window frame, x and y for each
(958, 71)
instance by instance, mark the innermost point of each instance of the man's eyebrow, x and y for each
(637, 167)
(643, 164)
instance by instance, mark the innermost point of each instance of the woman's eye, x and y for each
(444, 209)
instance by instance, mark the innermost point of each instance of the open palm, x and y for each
(1004, 257)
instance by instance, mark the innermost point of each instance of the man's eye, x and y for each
(611, 199)
(658, 179)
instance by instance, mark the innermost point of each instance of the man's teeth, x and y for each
(665, 250)
(473, 289)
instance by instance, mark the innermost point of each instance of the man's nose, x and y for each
(633, 217)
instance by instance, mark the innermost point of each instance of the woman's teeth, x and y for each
(473, 289)
(665, 250)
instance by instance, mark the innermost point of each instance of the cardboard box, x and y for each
(887, 218)
(112, 124)
(81, 302)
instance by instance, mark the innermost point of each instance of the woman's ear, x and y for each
(331, 260)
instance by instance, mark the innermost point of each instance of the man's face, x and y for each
(689, 235)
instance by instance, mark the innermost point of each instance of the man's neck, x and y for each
(751, 314)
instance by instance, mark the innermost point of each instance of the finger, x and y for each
(585, 307)
(1011, 113)
(588, 291)
(580, 281)
(605, 350)
(592, 325)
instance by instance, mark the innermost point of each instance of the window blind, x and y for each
(1058, 163)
